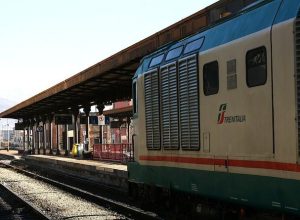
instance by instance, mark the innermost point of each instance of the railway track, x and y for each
(109, 198)
(119, 207)
(13, 206)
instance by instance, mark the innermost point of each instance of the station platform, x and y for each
(11, 154)
(103, 172)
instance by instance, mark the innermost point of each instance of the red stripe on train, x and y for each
(233, 163)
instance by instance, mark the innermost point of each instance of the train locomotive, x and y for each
(217, 114)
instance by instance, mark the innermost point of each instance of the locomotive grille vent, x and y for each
(189, 103)
(169, 107)
(152, 110)
(297, 61)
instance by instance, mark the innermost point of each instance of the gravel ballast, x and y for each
(54, 202)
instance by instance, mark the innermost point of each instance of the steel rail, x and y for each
(127, 210)
(36, 212)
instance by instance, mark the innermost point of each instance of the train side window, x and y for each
(211, 78)
(174, 53)
(134, 97)
(156, 60)
(194, 45)
(256, 67)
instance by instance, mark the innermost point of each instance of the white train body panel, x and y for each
(252, 136)
(247, 131)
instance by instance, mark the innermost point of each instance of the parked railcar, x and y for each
(217, 114)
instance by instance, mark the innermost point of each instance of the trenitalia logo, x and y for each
(222, 110)
(229, 119)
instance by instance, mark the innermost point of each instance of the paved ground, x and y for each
(10, 152)
(70, 160)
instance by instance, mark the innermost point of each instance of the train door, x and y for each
(236, 99)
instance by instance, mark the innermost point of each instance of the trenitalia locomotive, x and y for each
(217, 114)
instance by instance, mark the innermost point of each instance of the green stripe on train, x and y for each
(258, 191)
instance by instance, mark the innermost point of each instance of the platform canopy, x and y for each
(110, 79)
(119, 113)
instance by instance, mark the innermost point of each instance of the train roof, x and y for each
(255, 17)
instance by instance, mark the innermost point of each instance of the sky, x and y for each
(44, 42)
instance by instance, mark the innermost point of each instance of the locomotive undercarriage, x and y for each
(172, 204)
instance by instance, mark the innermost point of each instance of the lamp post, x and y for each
(1, 135)
(7, 137)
